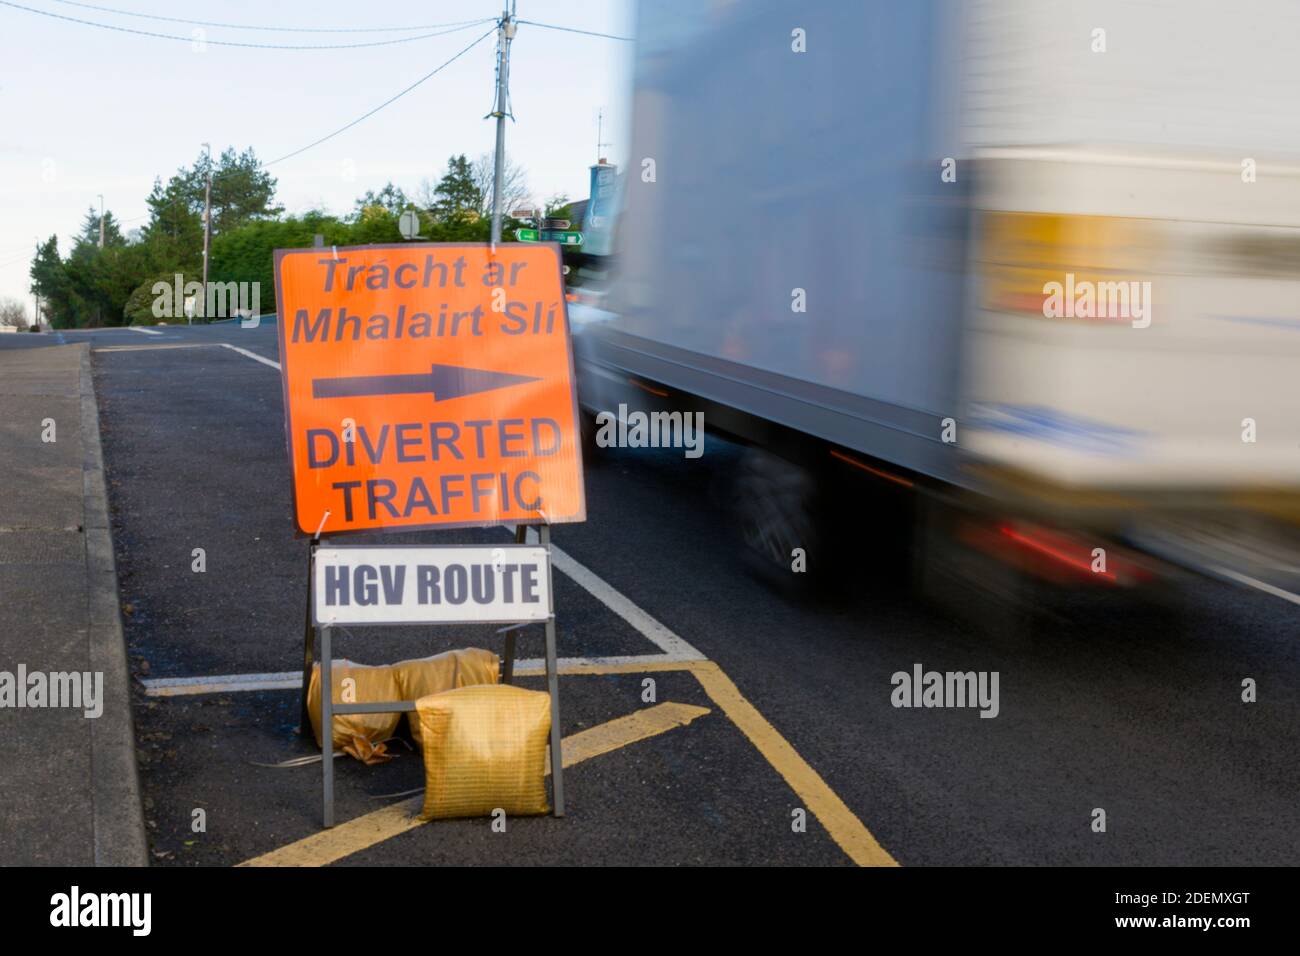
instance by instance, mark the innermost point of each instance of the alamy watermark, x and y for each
(80, 690)
(922, 688)
(223, 300)
(1085, 299)
(651, 430)
(75, 908)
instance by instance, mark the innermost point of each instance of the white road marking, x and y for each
(1257, 584)
(253, 355)
(221, 684)
(143, 331)
(673, 646)
(292, 680)
(146, 348)
(652, 630)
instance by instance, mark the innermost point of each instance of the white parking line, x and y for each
(292, 680)
(143, 331)
(147, 348)
(221, 684)
(253, 355)
(673, 646)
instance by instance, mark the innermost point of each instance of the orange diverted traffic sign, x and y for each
(428, 385)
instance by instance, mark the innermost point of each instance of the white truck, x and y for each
(1031, 268)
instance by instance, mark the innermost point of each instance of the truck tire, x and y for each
(998, 602)
(775, 513)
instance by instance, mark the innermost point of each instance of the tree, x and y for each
(241, 190)
(390, 199)
(456, 197)
(174, 235)
(89, 234)
(558, 207)
(247, 254)
(514, 184)
(50, 281)
(13, 312)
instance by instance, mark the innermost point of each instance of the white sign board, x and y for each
(453, 584)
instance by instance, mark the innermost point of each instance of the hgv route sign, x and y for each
(428, 385)
(452, 584)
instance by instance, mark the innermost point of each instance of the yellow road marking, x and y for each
(844, 828)
(625, 730)
(384, 824)
(346, 838)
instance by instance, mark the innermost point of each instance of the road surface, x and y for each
(767, 709)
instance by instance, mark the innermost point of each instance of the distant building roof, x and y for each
(578, 212)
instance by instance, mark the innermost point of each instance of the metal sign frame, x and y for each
(329, 709)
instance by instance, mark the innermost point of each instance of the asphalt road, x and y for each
(1134, 711)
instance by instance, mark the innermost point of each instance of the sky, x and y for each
(86, 110)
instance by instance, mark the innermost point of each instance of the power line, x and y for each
(236, 43)
(590, 33)
(386, 102)
(454, 28)
(243, 26)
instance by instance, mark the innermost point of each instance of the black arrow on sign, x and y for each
(443, 382)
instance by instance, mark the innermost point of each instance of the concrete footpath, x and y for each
(69, 791)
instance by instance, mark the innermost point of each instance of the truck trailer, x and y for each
(1017, 282)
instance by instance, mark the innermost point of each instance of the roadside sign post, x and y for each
(427, 386)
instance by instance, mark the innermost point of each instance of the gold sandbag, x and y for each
(447, 671)
(484, 749)
(372, 684)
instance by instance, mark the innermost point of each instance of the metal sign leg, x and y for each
(508, 655)
(308, 649)
(553, 687)
(327, 724)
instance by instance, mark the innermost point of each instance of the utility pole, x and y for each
(99, 313)
(505, 33)
(207, 227)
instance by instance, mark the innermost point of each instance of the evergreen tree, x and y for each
(50, 282)
(174, 235)
(89, 235)
(457, 198)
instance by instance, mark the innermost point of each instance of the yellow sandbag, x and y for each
(372, 684)
(484, 748)
(441, 672)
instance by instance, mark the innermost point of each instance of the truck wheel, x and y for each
(999, 602)
(775, 515)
